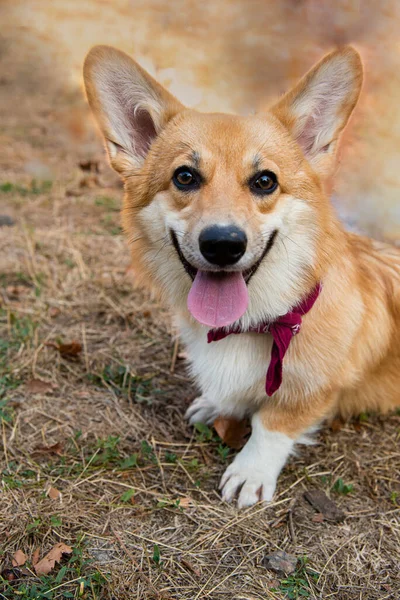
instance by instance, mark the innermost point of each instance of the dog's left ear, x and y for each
(130, 107)
(317, 109)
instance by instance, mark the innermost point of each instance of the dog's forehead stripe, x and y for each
(195, 159)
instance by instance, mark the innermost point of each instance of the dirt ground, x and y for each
(95, 453)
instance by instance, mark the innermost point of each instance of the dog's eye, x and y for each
(264, 183)
(185, 178)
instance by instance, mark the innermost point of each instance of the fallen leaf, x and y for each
(19, 559)
(53, 493)
(83, 394)
(278, 524)
(37, 386)
(318, 518)
(320, 501)
(17, 290)
(35, 556)
(232, 432)
(73, 193)
(55, 449)
(71, 350)
(185, 502)
(44, 566)
(337, 425)
(281, 562)
(191, 567)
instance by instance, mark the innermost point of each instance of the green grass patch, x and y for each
(340, 487)
(21, 331)
(108, 222)
(108, 203)
(125, 383)
(35, 188)
(157, 555)
(298, 585)
(128, 495)
(170, 457)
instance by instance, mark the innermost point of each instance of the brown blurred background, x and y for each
(232, 55)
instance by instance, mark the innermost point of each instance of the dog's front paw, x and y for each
(253, 474)
(201, 410)
(248, 484)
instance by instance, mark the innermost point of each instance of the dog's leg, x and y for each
(253, 474)
(202, 410)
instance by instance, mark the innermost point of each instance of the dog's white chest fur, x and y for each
(230, 372)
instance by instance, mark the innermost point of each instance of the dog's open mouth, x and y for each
(218, 299)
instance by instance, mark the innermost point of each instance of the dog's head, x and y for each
(226, 214)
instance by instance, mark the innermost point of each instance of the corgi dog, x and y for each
(286, 317)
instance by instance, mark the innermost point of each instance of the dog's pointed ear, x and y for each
(130, 107)
(317, 109)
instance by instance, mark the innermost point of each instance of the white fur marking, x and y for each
(257, 466)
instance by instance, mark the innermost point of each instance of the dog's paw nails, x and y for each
(254, 491)
(249, 488)
(201, 411)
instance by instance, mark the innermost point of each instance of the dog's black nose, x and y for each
(222, 245)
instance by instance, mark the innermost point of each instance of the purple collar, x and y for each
(282, 330)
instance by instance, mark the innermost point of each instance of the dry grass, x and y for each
(64, 277)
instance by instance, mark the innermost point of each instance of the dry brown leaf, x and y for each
(53, 493)
(55, 449)
(37, 386)
(337, 425)
(73, 349)
(73, 193)
(324, 505)
(318, 518)
(185, 502)
(44, 566)
(18, 559)
(232, 432)
(191, 567)
(83, 394)
(357, 426)
(35, 556)
(17, 290)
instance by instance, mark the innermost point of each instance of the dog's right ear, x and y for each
(129, 105)
(317, 109)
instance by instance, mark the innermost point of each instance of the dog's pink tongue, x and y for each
(218, 299)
